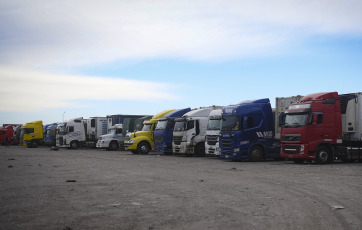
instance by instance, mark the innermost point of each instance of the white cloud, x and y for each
(26, 91)
(72, 33)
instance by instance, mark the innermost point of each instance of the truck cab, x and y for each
(11, 133)
(312, 127)
(247, 131)
(31, 134)
(213, 132)
(49, 133)
(113, 139)
(163, 133)
(190, 132)
(71, 133)
(142, 141)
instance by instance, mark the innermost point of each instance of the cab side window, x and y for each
(320, 119)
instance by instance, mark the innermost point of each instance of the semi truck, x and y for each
(142, 142)
(31, 134)
(118, 126)
(49, 133)
(323, 127)
(79, 132)
(213, 132)
(190, 132)
(163, 133)
(249, 130)
(12, 133)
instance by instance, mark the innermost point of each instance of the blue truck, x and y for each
(49, 133)
(163, 133)
(250, 129)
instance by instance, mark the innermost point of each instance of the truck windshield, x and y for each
(147, 127)
(161, 125)
(214, 124)
(296, 120)
(112, 131)
(230, 123)
(26, 131)
(180, 126)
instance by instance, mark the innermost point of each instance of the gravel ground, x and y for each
(98, 189)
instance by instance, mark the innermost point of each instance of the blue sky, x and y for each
(65, 59)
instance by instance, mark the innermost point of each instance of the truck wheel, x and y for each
(74, 145)
(113, 146)
(199, 150)
(143, 148)
(256, 154)
(34, 144)
(323, 155)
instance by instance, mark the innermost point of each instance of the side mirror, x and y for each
(281, 119)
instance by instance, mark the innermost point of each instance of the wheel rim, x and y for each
(144, 149)
(323, 155)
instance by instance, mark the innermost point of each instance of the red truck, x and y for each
(323, 127)
(12, 133)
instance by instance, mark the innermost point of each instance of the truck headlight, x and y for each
(301, 149)
(236, 150)
(131, 141)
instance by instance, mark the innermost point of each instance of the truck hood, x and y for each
(140, 133)
(294, 135)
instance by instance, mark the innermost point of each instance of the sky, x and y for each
(61, 59)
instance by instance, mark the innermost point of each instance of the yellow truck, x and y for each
(142, 141)
(31, 134)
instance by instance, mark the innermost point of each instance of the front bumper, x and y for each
(296, 151)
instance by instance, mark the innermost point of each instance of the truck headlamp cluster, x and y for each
(131, 141)
(236, 150)
(301, 149)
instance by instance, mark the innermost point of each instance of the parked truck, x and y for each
(49, 133)
(11, 133)
(323, 127)
(213, 133)
(190, 132)
(31, 134)
(163, 133)
(79, 132)
(118, 126)
(249, 130)
(142, 141)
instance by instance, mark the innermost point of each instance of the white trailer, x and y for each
(213, 132)
(190, 132)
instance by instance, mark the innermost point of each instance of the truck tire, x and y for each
(113, 146)
(256, 154)
(323, 155)
(34, 144)
(74, 145)
(199, 150)
(143, 147)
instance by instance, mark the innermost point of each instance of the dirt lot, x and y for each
(97, 189)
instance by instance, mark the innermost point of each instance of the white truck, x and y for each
(79, 132)
(117, 132)
(213, 132)
(113, 139)
(190, 132)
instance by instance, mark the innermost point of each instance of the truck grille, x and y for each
(291, 138)
(226, 145)
(212, 140)
(290, 149)
(177, 140)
